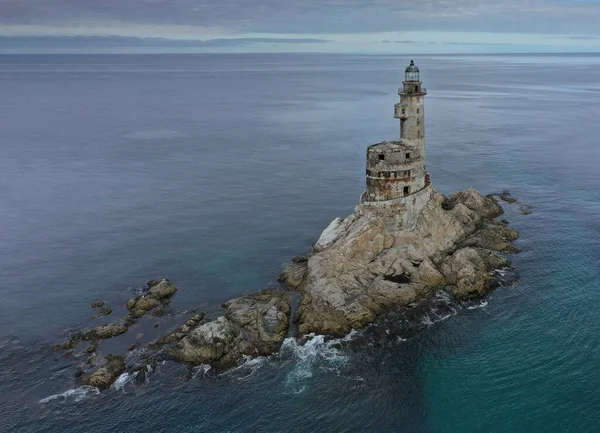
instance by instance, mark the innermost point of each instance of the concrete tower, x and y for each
(397, 168)
(396, 174)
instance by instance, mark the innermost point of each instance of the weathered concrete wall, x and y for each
(403, 211)
(393, 170)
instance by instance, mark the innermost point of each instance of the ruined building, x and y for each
(397, 182)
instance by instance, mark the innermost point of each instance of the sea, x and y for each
(215, 170)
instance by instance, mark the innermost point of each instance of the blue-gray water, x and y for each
(215, 170)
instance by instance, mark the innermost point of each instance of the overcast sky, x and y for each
(376, 26)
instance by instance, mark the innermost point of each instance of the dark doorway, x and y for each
(406, 190)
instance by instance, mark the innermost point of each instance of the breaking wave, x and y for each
(123, 380)
(318, 353)
(75, 394)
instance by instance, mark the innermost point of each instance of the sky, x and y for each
(346, 26)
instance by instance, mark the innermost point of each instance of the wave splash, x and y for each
(75, 394)
(319, 352)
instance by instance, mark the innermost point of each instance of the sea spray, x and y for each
(75, 394)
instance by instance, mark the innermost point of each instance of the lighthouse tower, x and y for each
(396, 174)
(411, 112)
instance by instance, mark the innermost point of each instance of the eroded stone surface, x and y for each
(373, 266)
(104, 376)
(253, 325)
(158, 295)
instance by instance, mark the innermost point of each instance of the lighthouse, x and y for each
(395, 173)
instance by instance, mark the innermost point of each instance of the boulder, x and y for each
(106, 331)
(105, 311)
(104, 376)
(218, 341)
(253, 325)
(293, 274)
(507, 197)
(158, 295)
(162, 290)
(264, 318)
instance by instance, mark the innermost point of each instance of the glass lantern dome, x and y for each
(412, 72)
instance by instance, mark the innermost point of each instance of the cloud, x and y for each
(305, 17)
(584, 38)
(106, 42)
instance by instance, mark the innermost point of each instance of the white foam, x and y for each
(201, 369)
(250, 366)
(76, 394)
(482, 304)
(121, 381)
(434, 317)
(317, 352)
(427, 320)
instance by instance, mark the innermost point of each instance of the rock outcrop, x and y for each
(158, 295)
(253, 325)
(366, 265)
(360, 268)
(105, 375)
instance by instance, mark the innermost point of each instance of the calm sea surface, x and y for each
(215, 170)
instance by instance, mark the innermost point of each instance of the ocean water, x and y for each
(214, 170)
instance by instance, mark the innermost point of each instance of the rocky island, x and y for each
(404, 243)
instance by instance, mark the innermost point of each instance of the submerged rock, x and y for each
(507, 197)
(526, 209)
(105, 311)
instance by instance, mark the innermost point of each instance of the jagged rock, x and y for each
(526, 209)
(365, 265)
(73, 341)
(103, 312)
(253, 325)
(98, 304)
(92, 347)
(293, 274)
(106, 331)
(507, 197)
(264, 316)
(133, 346)
(493, 236)
(159, 312)
(180, 332)
(215, 341)
(162, 290)
(471, 274)
(105, 375)
(157, 296)
(486, 207)
(428, 275)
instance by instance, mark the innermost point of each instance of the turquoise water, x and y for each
(215, 170)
